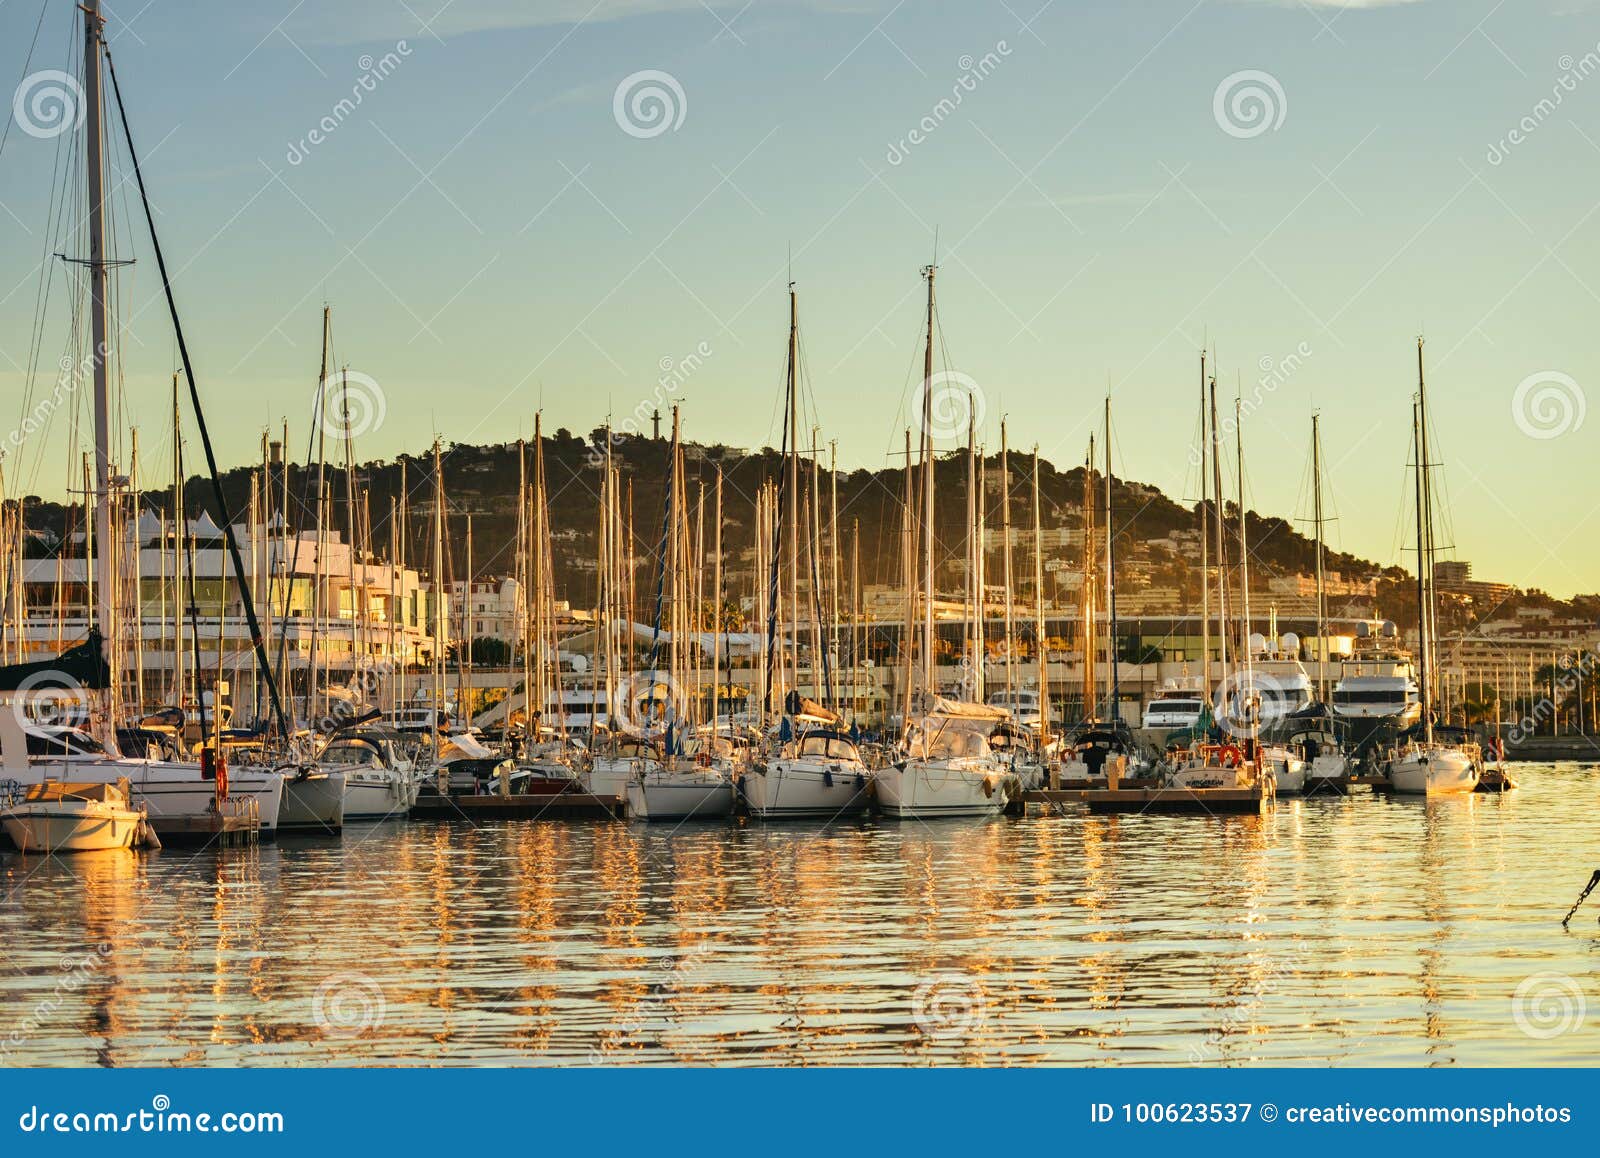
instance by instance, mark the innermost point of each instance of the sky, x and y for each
(595, 208)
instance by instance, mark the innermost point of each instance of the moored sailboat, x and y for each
(1430, 761)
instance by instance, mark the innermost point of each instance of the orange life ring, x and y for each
(1231, 756)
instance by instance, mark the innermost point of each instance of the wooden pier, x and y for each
(546, 806)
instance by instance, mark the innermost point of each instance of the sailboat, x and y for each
(1316, 729)
(175, 795)
(679, 786)
(945, 765)
(1229, 761)
(816, 769)
(1429, 763)
(1101, 744)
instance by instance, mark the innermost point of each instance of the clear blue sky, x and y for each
(492, 240)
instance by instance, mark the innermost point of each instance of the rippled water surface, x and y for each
(1352, 931)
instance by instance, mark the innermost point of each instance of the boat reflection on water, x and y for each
(1361, 929)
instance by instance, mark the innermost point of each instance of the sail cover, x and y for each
(82, 666)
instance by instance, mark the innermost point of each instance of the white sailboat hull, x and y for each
(927, 789)
(170, 791)
(1437, 772)
(801, 788)
(378, 794)
(1288, 771)
(1327, 770)
(1211, 774)
(71, 826)
(680, 795)
(611, 775)
(315, 801)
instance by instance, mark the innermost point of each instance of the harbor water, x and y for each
(1356, 931)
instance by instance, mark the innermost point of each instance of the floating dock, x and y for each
(223, 830)
(1203, 801)
(547, 806)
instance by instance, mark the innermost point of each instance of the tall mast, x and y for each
(792, 539)
(833, 563)
(1040, 653)
(1322, 595)
(1205, 547)
(1220, 528)
(973, 597)
(1425, 626)
(1113, 660)
(927, 496)
(716, 602)
(439, 631)
(1091, 683)
(908, 567)
(99, 323)
(178, 533)
(1005, 534)
(1244, 569)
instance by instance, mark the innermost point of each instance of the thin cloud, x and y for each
(376, 20)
